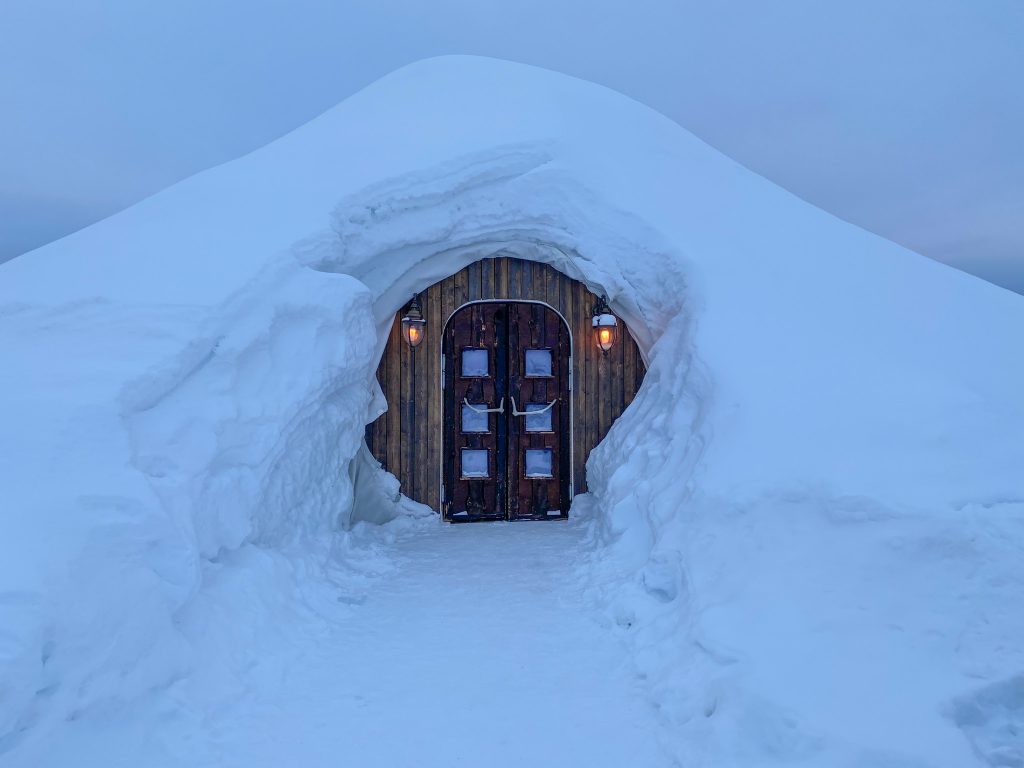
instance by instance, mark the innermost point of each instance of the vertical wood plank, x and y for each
(629, 357)
(577, 453)
(473, 281)
(502, 287)
(540, 283)
(405, 403)
(515, 283)
(431, 440)
(593, 380)
(604, 387)
(565, 308)
(447, 308)
(583, 417)
(594, 383)
(393, 392)
(420, 428)
(461, 288)
(617, 377)
(561, 283)
(447, 299)
(551, 283)
(487, 279)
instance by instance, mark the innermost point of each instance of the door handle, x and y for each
(545, 409)
(499, 409)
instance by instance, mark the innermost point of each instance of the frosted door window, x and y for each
(474, 462)
(538, 422)
(475, 363)
(473, 421)
(538, 462)
(538, 362)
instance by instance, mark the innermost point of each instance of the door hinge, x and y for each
(444, 381)
(570, 374)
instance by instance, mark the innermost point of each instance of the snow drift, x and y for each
(828, 419)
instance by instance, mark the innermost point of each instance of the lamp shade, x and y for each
(413, 324)
(605, 325)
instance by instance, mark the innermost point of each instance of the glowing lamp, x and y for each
(605, 324)
(413, 324)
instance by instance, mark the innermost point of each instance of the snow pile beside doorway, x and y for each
(808, 525)
(145, 445)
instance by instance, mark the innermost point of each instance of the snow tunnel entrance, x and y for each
(420, 440)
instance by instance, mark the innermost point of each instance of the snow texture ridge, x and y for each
(819, 476)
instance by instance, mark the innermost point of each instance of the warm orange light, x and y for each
(605, 326)
(412, 323)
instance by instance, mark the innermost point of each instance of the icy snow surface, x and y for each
(406, 663)
(804, 541)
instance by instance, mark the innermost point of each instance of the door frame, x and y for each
(572, 383)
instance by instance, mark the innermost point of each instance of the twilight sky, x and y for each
(905, 117)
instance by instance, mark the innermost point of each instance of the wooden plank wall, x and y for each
(407, 438)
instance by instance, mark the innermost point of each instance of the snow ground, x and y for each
(424, 644)
(445, 646)
(476, 650)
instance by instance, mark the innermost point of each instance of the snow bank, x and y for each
(191, 377)
(143, 442)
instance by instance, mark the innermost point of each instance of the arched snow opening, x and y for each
(404, 234)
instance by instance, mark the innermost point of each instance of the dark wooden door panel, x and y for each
(539, 445)
(476, 399)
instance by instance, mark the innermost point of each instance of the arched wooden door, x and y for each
(507, 413)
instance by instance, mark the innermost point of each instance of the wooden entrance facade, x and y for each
(508, 314)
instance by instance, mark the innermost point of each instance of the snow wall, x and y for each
(188, 381)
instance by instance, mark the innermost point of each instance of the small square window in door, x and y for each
(475, 363)
(538, 363)
(472, 418)
(538, 463)
(538, 417)
(474, 463)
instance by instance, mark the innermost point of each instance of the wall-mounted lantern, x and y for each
(605, 324)
(413, 323)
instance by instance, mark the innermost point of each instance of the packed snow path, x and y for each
(476, 650)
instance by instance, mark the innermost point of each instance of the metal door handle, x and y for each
(516, 412)
(499, 409)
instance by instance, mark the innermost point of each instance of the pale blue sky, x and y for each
(903, 117)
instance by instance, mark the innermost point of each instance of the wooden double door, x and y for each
(507, 413)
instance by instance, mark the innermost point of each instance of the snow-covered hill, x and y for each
(808, 527)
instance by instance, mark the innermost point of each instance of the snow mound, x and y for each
(827, 418)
